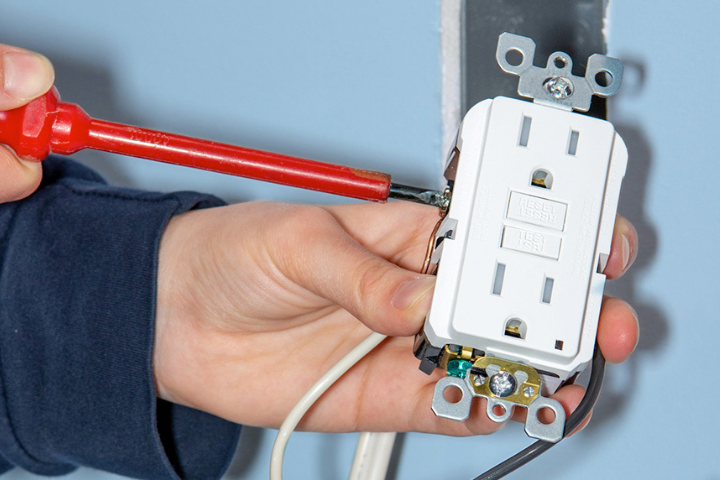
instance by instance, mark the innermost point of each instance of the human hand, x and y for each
(24, 76)
(256, 301)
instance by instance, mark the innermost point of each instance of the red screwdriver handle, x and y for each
(48, 125)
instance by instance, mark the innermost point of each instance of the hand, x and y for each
(256, 301)
(24, 76)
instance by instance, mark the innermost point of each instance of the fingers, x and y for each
(618, 330)
(569, 397)
(396, 231)
(387, 392)
(624, 248)
(18, 178)
(24, 75)
(405, 228)
(480, 424)
(324, 258)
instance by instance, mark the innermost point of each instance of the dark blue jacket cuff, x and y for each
(78, 278)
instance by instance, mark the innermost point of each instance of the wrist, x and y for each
(167, 344)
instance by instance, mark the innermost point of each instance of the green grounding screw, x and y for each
(458, 368)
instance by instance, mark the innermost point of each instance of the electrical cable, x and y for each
(311, 396)
(573, 421)
(372, 456)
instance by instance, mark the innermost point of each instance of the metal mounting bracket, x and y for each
(555, 85)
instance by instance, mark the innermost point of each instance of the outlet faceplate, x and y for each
(532, 215)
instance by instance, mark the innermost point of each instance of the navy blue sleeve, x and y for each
(78, 277)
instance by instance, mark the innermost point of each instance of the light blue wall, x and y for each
(359, 84)
(356, 84)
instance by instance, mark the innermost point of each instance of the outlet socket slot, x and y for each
(525, 132)
(499, 279)
(548, 285)
(573, 142)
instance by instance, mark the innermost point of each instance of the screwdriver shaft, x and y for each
(239, 161)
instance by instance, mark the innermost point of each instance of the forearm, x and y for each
(77, 319)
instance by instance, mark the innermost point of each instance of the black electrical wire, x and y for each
(573, 421)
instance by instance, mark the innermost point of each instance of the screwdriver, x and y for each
(47, 125)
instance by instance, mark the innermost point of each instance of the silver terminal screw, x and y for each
(559, 87)
(479, 380)
(529, 392)
(502, 384)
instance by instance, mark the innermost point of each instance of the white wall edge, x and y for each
(450, 36)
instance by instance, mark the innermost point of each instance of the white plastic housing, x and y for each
(497, 216)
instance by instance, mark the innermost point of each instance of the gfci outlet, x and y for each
(520, 252)
(532, 214)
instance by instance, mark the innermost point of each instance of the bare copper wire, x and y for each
(431, 243)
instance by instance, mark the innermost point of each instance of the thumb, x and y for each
(24, 75)
(386, 298)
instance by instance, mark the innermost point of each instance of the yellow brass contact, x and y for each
(539, 182)
(465, 353)
(524, 394)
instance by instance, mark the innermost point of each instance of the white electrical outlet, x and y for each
(521, 249)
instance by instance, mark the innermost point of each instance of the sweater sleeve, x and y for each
(78, 278)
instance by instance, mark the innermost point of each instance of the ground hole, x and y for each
(546, 415)
(604, 78)
(452, 394)
(514, 57)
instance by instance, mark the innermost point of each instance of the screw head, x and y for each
(479, 380)
(528, 392)
(502, 384)
(559, 87)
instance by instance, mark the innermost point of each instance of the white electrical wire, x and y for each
(372, 456)
(307, 401)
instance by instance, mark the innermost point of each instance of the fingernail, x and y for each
(634, 313)
(625, 250)
(637, 322)
(412, 291)
(26, 74)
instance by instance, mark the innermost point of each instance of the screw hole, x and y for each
(498, 410)
(452, 394)
(514, 57)
(559, 62)
(604, 78)
(546, 415)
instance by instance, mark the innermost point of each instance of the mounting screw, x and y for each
(529, 392)
(559, 87)
(479, 381)
(502, 384)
